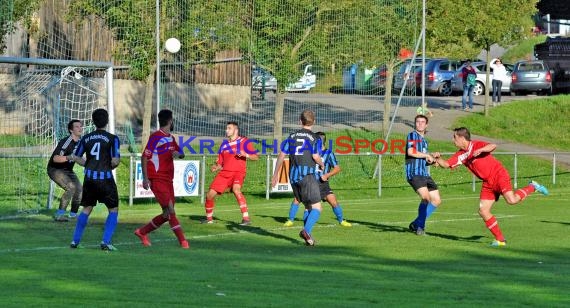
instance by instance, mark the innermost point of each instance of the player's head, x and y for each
(100, 118)
(165, 118)
(461, 135)
(75, 127)
(307, 118)
(421, 122)
(232, 129)
(323, 137)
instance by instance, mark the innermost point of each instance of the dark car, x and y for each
(439, 75)
(407, 74)
(531, 76)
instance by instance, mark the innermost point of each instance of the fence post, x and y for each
(267, 177)
(379, 169)
(131, 180)
(473, 179)
(516, 171)
(554, 168)
(203, 179)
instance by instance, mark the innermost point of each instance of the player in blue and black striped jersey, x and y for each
(331, 169)
(417, 160)
(303, 148)
(101, 150)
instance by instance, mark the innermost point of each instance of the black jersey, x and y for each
(99, 147)
(64, 147)
(301, 145)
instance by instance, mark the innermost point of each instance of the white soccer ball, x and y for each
(172, 45)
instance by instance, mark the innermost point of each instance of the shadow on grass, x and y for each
(556, 222)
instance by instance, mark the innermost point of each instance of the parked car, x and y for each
(407, 74)
(481, 85)
(439, 74)
(530, 76)
(305, 83)
(262, 80)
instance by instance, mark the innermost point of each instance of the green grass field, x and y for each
(374, 263)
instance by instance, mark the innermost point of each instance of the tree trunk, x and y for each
(487, 81)
(278, 121)
(148, 95)
(388, 96)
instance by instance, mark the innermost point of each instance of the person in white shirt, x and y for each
(499, 74)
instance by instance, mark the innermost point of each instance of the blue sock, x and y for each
(80, 227)
(60, 212)
(293, 211)
(421, 220)
(430, 209)
(338, 212)
(305, 215)
(312, 220)
(110, 225)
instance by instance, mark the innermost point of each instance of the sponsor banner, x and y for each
(186, 179)
(283, 184)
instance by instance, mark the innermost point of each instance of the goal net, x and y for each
(38, 102)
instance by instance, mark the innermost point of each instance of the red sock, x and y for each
(493, 226)
(209, 209)
(525, 191)
(176, 228)
(242, 206)
(154, 224)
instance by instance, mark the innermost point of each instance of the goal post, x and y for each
(38, 97)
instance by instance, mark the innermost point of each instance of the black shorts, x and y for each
(307, 190)
(104, 191)
(325, 189)
(419, 181)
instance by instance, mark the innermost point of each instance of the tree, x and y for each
(14, 12)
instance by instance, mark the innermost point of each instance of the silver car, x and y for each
(480, 86)
(530, 76)
(261, 80)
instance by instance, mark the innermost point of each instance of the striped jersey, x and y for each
(329, 160)
(301, 145)
(99, 148)
(416, 166)
(64, 147)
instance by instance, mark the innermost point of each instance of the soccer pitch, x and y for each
(377, 262)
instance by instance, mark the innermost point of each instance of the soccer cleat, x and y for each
(413, 226)
(185, 245)
(309, 241)
(72, 215)
(143, 237)
(420, 231)
(74, 245)
(60, 218)
(497, 243)
(345, 223)
(288, 223)
(245, 222)
(108, 247)
(541, 189)
(207, 221)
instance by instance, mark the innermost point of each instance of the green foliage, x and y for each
(16, 11)
(530, 122)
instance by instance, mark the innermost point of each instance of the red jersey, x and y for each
(484, 166)
(159, 151)
(227, 155)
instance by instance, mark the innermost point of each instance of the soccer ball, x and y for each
(172, 45)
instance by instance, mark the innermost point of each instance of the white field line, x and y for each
(237, 232)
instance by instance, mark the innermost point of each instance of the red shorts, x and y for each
(163, 192)
(226, 179)
(495, 187)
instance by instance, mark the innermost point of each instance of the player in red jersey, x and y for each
(158, 171)
(232, 158)
(476, 156)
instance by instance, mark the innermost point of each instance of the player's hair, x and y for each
(100, 118)
(421, 116)
(70, 124)
(462, 132)
(307, 118)
(323, 136)
(164, 116)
